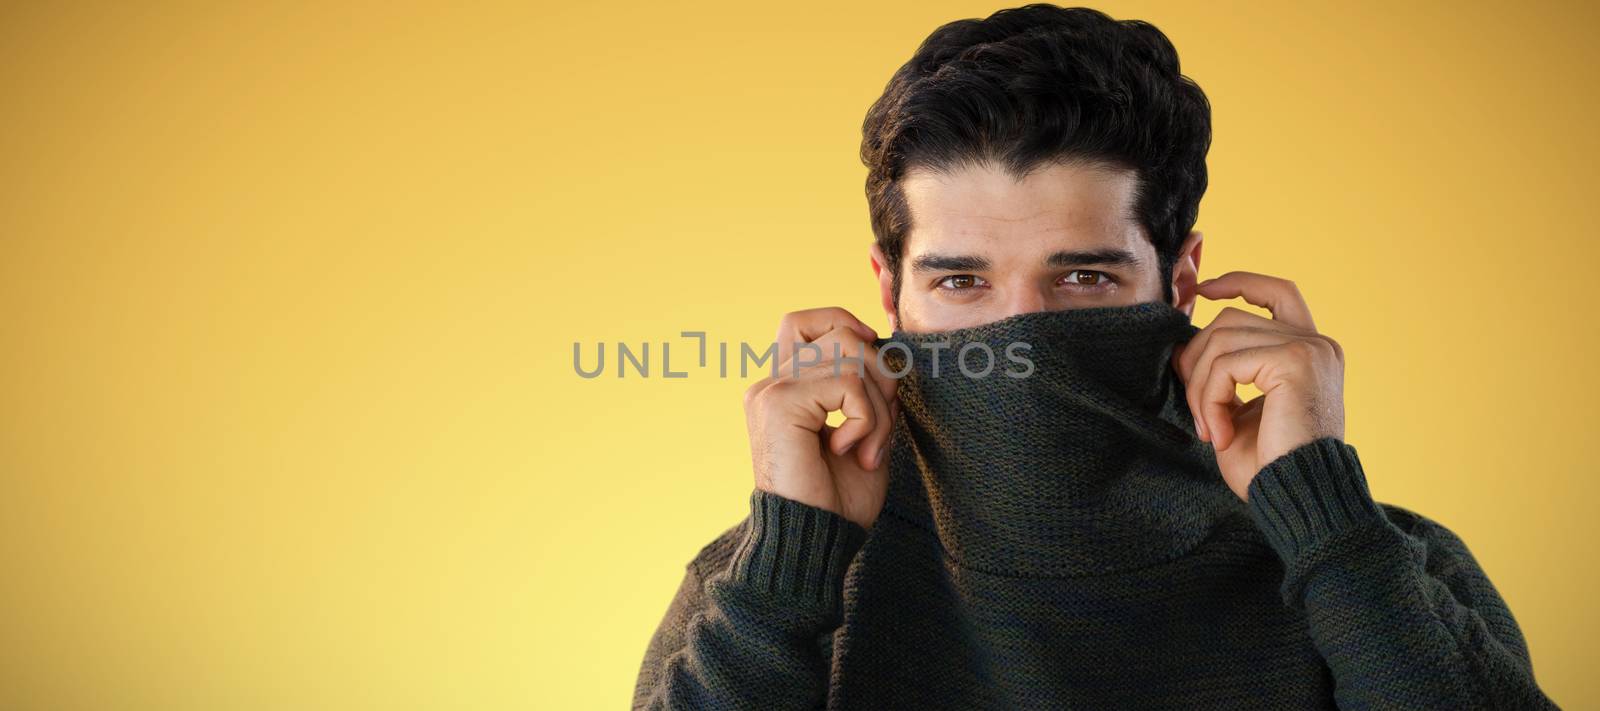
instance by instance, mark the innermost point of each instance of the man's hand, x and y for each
(796, 453)
(1299, 372)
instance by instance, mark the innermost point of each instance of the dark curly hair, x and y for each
(1037, 84)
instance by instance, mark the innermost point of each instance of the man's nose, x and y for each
(1025, 301)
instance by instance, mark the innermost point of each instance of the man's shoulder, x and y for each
(1404, 518)
(1413, 522)
(1440, 542)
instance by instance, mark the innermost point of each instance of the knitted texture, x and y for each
(1063, 540)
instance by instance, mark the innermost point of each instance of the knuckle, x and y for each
(777, 390)
(1226, 334)
(787, 326)
(752, 394)
(821, 313)
(1327, 349)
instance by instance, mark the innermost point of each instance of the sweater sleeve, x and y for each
(1395, 603)
(745, 629)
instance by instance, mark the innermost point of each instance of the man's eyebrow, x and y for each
(949, 263)
(1093, 257)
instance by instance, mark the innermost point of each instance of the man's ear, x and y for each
(885, 276)
(1186, 274)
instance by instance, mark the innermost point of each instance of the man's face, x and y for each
(984, 247)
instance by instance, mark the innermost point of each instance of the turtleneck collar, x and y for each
(1085, 464)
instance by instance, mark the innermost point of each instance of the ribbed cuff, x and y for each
(796, 551)
(1310, 495)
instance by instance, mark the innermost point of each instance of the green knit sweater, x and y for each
(1063, 540)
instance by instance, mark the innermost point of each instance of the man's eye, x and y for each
(1086, 277)
(958, 282)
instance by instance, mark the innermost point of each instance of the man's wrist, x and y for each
(796, 552)
(1311, 494)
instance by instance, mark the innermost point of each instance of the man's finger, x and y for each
(843, 350)
(1220, 342)
(1220, 391)
(1280, 296)
(849, 395)
(809, 325)
(876, 441)
(1229, 317)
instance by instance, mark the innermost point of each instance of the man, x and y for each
(1103, 533)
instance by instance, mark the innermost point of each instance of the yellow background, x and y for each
(288, 293)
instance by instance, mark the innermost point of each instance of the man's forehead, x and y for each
(1086, 205)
